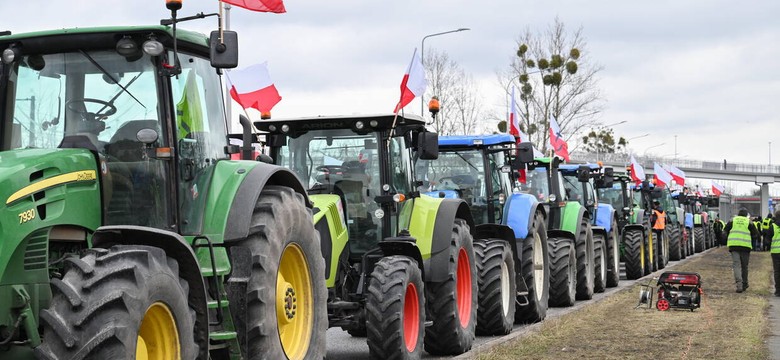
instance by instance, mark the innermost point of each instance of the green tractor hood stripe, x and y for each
(76, 176)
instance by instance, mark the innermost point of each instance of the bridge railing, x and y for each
(647, 161)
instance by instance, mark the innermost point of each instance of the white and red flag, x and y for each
(661, 176)
(637, 171)
(413, 83)
(678, 175)
(252, 88)
(559, 145)
(514, 129)
(272, 6)
(717, 189)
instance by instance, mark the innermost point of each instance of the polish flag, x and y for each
(559, 145)
(678, 175)
(252, 88)
(637, 171)
(717, 189)
(272, 6)
(514, 129)
(661, 176)
(413, 83)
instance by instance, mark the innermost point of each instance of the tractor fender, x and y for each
(446, 212)
(689, 220)
(604, 216)
(176, 247)
(639, 227)
(329, 222)
(519, 213)
(503, 232)
(697, 220)
(680, 216)
(561, 234)
(404, 248)
(599, 230)
(242, 207)
(640, 216)
(571, 216)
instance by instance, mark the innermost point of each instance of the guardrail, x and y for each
(646, 161)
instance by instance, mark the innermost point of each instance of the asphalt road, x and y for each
(343, 346)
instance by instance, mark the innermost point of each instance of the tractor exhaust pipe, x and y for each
(246, 148)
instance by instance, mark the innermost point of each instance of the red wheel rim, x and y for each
(411, 317)
(662, 305)
(464, 288)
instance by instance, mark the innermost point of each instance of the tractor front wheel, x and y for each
(613, 256)
(585, 261)
(127, 302)
(535, 272)
(698, 236)
(600, 263)
(452, 303)
(395, 309)
(563, 272)
(634, 253)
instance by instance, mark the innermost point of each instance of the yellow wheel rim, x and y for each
(294, 302)
(158, 338)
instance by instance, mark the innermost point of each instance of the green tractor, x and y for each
(127, 231)
(633, 224)
(511, 226)
(569, 233)
(674, 226)
(400, 265)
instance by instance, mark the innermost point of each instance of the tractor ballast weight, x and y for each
(131, 220)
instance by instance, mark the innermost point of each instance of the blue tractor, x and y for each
(512, 252)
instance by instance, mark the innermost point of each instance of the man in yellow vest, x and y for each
(775, 250)
(740, 233)
(766, 232)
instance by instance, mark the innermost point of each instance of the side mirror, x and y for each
(607, 180)
(224, 54)
(525, 152)
(428, 145)
(277, 140)
(583, 173)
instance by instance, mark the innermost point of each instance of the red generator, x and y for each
(680, 290)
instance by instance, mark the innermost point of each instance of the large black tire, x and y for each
(451, 333)
(97, 308)
(633, 246)
(535, 270)
(698, 235)
(280, 222)
(394, 281)
(652, 255)
(563, 272)
(683, 242)
(585, 261)
(599, 263)
(663, 249)
(613, 256)
(497, 287)
(675, 250)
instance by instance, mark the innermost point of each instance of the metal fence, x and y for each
(647, 161)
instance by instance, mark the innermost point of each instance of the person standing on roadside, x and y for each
(775, 251)
(740, 232)
(757, 242)
(658, 219)
(717, 227)
(766, 231)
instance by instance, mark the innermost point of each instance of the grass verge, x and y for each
(727, 326)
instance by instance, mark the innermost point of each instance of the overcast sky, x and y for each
(706, 71)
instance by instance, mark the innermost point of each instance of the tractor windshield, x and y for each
(613, 196)
(574, 188)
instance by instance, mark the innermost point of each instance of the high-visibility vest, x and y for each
(765, 224)
(740, 233)
(660, 222)
(776, 240)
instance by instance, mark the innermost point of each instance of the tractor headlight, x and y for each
(285, 128)
(153, 47)
(9, 55)
(552, 198)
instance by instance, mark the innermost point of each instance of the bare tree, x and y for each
(555, 78)
(461, 106)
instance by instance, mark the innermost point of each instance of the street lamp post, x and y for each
(422, 57)
(654, 146)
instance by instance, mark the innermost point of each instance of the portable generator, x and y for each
(681, 290)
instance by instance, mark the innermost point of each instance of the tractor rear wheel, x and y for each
(634, 253)
(698, 235)
(585, 261)
(613, 256)
(563, 272)
(675, 250)
(285, 315)
(497, 291)
(663, 249)
(452, 303)
(535, 270)
(395, 309)
(126, 302)
(599, 263)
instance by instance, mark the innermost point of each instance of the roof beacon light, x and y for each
(173, 5)
(265, 115)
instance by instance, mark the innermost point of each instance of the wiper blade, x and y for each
(110, 76)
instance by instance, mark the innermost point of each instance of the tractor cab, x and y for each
(472, 168)
(366, 161)
(620, 197)
(545, 182)
(579, 186)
